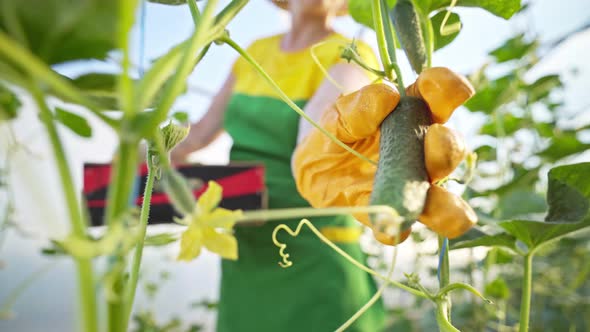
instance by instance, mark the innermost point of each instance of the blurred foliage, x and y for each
(523, 136)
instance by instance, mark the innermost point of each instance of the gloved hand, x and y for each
(328, 176)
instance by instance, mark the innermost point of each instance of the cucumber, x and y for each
(409, 31)
(401, 180)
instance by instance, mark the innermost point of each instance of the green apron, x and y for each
(321, 290)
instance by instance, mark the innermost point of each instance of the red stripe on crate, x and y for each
(240, 184)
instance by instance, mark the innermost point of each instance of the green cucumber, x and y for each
(409, 31)
(401, 180)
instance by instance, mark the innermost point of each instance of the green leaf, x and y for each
(520, 202)
(563, 145)
(501, 8)
(496, 240)
(101, 88)
(9, 104)
(568, 193)
(509, 122)
(486, 153)
(545, 129)
(542, 87)
(569, 207)
(181, 117)
(497, 289)
(494, 93)
(74, 122)
(59, 31)
(498, 256)
(441, 37)
(360, 11)
(513, 49)
(160, 239)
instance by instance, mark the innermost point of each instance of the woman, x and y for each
(321, 290)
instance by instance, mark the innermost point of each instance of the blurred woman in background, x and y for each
(321, 290)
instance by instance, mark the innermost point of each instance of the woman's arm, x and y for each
(203, 132)
(349, 76)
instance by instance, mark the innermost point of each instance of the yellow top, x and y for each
(296, 73)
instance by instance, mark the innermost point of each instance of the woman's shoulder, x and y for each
(265, 42)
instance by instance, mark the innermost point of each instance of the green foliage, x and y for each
(74, 122)
(497, 289)
(360, 11)
(9, 104)
(514, 49)
(501, 8)
(59, 31)
(441, 37)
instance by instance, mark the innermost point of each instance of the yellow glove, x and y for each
(327, 175)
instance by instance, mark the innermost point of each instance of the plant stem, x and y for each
(87, 297)
(373, 299)
(525, 304)
(441, 318)
(288, 101)
(381, 41)
(390, 40)
(443, 277)
(428, 40)
(125, 84)
(143, 221)
(255, 216)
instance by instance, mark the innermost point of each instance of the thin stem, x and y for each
(143, 221)
(444, 275)
(288, 101)
(441, 318)
(125, 84)
(428, 37)
(87, 297)
(381, 41)
(373, 299)
(195, 12)
(356, 58)
(277, 214)
(174, 88)
(390, 40)
(525, 304)
(459, 285)
(342, 253)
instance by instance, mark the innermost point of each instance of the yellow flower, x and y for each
(209, 226)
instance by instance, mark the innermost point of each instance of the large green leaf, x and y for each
(568, 193)
(568, 198)
(441, 37)
(501, 8)
(520, 202)
(487, 240)
(58, 31)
